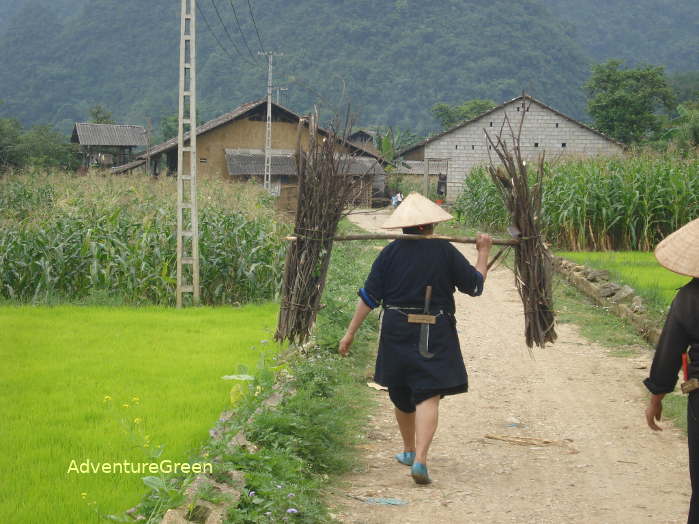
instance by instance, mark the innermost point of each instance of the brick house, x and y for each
(545, 129)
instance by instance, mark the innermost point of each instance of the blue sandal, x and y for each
(406, 457)
(419, 473)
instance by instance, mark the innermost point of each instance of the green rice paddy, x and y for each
(640, 270)
(111, 385)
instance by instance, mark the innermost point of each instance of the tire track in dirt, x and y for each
(612, 468)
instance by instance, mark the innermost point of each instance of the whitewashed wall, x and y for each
(543, 130)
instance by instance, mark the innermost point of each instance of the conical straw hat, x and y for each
(416, 210)
(679, 252)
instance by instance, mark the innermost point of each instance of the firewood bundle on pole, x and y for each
(521, 190)
(325, 188)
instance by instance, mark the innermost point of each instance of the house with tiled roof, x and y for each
(544, 130)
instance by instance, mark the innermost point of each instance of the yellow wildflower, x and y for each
(107, 398)
(124, 405)
(137, 420)
(83, 495)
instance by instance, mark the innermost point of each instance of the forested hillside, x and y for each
(394, 60)
(659, 32)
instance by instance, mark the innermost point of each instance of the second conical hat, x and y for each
(416, 210)
(679, 252)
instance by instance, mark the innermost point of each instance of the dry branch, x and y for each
(521, 194)
(325, 189)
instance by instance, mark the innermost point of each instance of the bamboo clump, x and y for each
(522, 196)
(324, 191)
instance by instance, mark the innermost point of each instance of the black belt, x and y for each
(406, 310)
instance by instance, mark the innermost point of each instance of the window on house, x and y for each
(456, 146)
(536, 144)
(518, 109)
(490, 147)
(203, 161)
(491, 124)
(556, 124)
(563, 144)
(473, 148)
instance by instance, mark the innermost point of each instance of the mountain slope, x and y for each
(659, 32)
(392, 60)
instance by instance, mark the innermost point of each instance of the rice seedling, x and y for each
(640, 270)
(627, 203)
(110, 385)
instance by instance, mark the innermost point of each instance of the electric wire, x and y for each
(218, 41)
(252, 16)
(228, 33)
(237, 21)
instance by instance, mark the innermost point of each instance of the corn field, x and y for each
(66, 238)
(625, 203)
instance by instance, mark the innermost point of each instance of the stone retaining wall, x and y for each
(618, 299)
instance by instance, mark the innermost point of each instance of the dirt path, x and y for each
(613, 469)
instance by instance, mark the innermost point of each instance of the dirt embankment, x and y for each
(604, 466)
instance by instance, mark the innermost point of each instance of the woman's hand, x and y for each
(483, 242)
(654, 411)
(345, 344)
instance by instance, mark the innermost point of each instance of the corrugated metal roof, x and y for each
(246, 162)
(109, 135)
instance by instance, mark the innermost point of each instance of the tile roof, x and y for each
(504, 104)
(233, 115)
(87, 134)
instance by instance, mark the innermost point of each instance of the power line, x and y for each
(253, 23)
(225, 28)
(237, 21)
(203, 16)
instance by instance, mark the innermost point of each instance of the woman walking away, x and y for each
(419, 358)
(679, 346)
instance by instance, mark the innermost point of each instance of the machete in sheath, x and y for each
(425, 319)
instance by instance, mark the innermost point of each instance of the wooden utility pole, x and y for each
(268, 135)
(187, 218)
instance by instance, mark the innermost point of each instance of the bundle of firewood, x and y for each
(521, 190)
(324, 190)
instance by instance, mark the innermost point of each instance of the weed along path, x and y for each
(603, 464)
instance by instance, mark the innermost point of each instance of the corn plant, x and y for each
(68, 238)
(625, 203)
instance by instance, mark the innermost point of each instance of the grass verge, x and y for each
(638, 269)
(304, 441)
(109, 385)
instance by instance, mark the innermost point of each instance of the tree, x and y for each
(686, 86)
(449, 116)
(685, 127)
(624, 103)
(46, 147)
(100, 115)
(11, 153)
(169, 127)
(390, 141)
